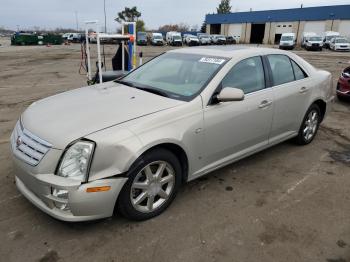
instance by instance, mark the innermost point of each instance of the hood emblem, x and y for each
(19, 141)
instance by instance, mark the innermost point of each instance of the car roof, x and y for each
(229, 51)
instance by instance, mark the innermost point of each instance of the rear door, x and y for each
(292, 89)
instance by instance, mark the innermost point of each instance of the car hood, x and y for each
(342, 44)
(63, 118)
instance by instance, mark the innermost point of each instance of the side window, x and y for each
(282, 71)
(298, 72)
(247, 75)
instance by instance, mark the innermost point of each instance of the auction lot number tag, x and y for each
(212, 60)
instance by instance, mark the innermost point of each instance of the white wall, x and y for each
(318, 27)
(235, 30)
(344, 28)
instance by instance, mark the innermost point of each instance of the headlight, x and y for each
(76, 161)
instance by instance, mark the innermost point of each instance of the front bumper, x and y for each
(314, 47)
(343, 87)
(289, 47)
(345, 49)
(82, 206)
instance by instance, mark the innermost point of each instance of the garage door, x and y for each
(315, 27)
(344, 28)
(235, 30)
(284, 28)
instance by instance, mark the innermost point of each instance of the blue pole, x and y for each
(131, 31)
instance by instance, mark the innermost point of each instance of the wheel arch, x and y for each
(177, 150)
(322, 105)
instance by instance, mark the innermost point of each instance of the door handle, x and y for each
(303, 90)
(265, 103)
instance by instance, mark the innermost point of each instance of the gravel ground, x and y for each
(287, 203)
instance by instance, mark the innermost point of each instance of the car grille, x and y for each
(27, 146)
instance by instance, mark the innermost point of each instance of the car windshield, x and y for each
(315, 38)
(142, 35)
(179, 76)
(328, 38)
(177, 37)
(287, 38)
(157, 37)
(220, 36)
(341, 41)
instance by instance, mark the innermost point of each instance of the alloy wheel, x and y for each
(152, 186)
(310, 125)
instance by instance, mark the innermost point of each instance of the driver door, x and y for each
(236, 129)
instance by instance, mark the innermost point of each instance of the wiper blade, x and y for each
(144, 88)
(154, 91)
(124, 83)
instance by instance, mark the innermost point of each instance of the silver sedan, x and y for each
(127, 146)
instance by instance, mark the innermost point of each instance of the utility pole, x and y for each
(76, 20)
(104, 9)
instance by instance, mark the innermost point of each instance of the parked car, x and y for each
(204, 39)
(191, 40)
(157, 39)
(174, 38)
(72, 37)
(219, 40)
(340, 44)
(230, 40)
(288, 41)
(314, 43)
(328, 37)
(141, 38)
(343, 86)
(128, 145)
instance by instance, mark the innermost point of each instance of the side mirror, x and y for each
(230, 94)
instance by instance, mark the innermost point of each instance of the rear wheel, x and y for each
(310, 125)
(153, 183)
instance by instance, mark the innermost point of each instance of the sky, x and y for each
(50, 14)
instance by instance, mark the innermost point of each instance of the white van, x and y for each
(174, 38)
(328, 36)
(306, 36)
(288, 41)
(312, 41)
(157, 39)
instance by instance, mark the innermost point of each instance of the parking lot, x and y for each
(288, 203)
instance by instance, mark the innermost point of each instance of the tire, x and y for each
(140, 189)
(305, 138)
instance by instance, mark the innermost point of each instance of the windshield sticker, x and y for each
(212, 60)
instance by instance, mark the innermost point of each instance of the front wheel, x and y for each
(310, 125)
(153, 182)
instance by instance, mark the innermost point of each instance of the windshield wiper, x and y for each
(124, 83)
(144, 88)
(151, 90)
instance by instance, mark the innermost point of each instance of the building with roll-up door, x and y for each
(266, 27)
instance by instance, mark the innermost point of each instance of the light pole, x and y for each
(104, 10)
(76, 20)
(269, 40)
(332, 17)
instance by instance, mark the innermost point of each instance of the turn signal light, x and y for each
(98, 189)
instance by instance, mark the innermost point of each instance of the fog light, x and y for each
(61, 194)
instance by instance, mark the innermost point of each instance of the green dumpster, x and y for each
(53, 39)
(24, 39)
